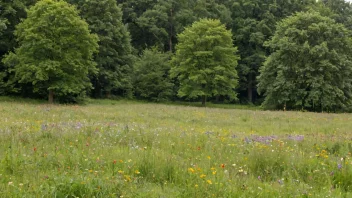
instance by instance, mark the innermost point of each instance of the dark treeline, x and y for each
(290, 54)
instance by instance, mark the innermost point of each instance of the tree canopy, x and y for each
(55, 53)
(192, 59)
(152, 76)
(310, 67)
(205, 61)
(114, 60)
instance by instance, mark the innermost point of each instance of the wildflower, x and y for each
(209, 181)
(259, 178)
(114, 162)
(214, 172)
(137, 172)
(222, 165)
(226, 172)
(120, 171)
(234, 165)
(209, 157)
(191, 170)
(339, 166)
(90, 171)
(324, 154)
(10, 183)
(121, 161)
(127, 178)
(202, 176)
(280, 181)
(212, 168)
(196, 185)
(35, 149)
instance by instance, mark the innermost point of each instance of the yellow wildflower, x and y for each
(127, 178)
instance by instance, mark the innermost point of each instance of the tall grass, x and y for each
(130, 149)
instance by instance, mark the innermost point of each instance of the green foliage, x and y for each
(342, 11)
(11, 13)
(152, 76)
(205, 61)
(55, 50)
(148, 22)
(156, 23)
(114, 60)
(310, 67)
(2, 25)
(253, 23)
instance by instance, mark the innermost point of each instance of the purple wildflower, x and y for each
(296, 137)
(339, 166)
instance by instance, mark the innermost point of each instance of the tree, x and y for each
(254, 23)
(310, 67)
(114, 60)
(152, 76)
(11, 13)
(156, 23)
(55, 50)
(205, 61)
(342, 11)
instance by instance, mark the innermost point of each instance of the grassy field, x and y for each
(131, 149)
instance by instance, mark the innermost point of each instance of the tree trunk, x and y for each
(171, 30)
(97, 89)
(250, 89)
(51, 97)
(250, 93)
(217, 98)
(204, 100)
(108, 94)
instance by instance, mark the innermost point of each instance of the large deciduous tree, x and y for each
(55, 53)
(311, 64)
(253, 23)
(205, 61)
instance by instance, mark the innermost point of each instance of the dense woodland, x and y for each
(293, 54)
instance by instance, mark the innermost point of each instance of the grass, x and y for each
(132, 149)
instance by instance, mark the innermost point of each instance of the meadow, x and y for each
(131, 149)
